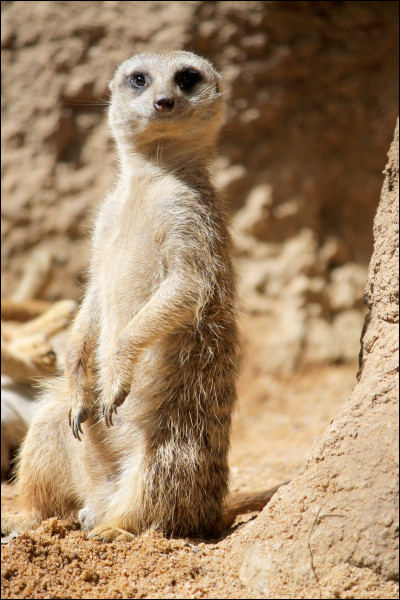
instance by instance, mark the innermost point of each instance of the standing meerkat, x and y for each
(135, 434)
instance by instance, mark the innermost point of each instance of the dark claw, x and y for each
(109, 410)
(76, 432)
(108, 414)
(75, 424)
(120, 399)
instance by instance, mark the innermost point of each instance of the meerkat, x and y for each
(135, 433)
(30, 350)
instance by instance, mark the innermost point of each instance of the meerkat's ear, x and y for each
(111, 83)
(218, 86)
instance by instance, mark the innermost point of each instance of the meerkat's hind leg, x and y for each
(109, 533)
(20, 523)
(49, 467)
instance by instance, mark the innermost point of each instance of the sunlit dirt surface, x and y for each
(275, 425)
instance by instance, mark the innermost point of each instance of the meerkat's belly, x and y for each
(131, 273)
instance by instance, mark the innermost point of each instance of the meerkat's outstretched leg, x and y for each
(57, 317)
(26, 350)
(45, 470)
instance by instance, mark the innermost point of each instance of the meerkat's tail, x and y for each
(243, 503)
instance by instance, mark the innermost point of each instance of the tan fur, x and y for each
(26, 349)
(27, 354)
(156, 333)
(23, 310)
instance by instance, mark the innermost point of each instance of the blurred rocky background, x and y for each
(312, 94)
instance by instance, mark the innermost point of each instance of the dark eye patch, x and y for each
(187, 78)
(138, 80)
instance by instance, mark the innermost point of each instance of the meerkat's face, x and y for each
(165, 95)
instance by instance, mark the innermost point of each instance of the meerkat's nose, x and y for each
(164, 104)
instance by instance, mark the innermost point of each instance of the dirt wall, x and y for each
(333, 531)
(312, 91)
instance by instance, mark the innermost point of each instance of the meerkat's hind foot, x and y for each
(109, 533)
(87, 518)
(19, 523)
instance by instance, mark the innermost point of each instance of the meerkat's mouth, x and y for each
(165, 119)
(164, 116)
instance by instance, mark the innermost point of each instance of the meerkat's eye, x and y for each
(187, 78)
(138, 80)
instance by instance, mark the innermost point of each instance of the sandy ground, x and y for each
(275, 426)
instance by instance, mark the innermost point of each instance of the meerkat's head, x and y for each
(174, 95)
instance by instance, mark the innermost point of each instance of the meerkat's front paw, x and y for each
(77, 415)
(114, 399)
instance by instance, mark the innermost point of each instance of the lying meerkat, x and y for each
(31, 349)
(135, 434)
